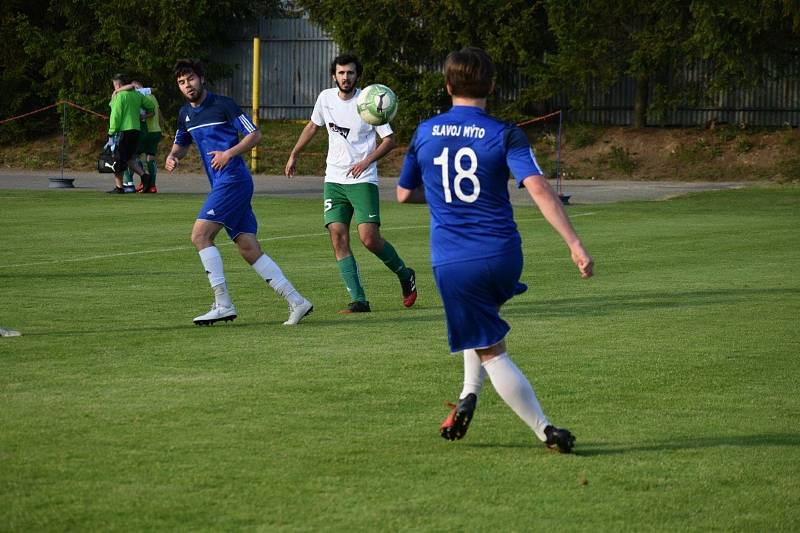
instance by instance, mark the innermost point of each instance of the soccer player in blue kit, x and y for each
(214, 122)
(459, 163)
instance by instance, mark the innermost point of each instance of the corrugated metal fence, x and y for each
(775, 103)
(295, 57)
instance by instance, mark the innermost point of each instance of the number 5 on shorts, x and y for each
(328, 204)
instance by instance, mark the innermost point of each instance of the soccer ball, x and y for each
(377, 104)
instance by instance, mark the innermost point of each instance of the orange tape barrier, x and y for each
(51, 106)
(105, 117)
(538, 119)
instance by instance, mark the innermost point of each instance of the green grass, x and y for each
(676, 367)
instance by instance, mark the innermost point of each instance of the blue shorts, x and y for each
(228, 204)
(472, 293)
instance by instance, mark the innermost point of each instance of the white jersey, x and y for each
(350, 139)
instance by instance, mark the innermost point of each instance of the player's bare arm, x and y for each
(386, 145)
(553, 211)
(220, 158)
(174, 157)
(305, 137)
(411, 196)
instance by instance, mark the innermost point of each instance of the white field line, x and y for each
(181, 248)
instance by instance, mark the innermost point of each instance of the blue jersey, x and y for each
(215, 126)
(463, 158)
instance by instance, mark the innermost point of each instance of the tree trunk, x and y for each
(640, 102)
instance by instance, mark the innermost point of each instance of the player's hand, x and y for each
(171, 163)
(583, 261)
(290, 167)
(219, 159)
(357, 169)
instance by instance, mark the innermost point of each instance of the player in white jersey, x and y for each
(459, 162)
(351, 181)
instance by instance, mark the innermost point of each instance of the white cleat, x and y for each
(298, 312)
(9, 333)
(216, 314)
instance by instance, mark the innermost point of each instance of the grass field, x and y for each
(676, 367)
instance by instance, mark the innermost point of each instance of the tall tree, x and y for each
(600, 42)
(403, 43)
(747, 42)
(66, 49)
(740, 41)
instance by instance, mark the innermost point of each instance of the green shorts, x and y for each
(341, 201)
(148, 143)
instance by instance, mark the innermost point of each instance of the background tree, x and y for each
(602, 41)
(56, 49)
(747, 42)
(403, 43)
(69, 49)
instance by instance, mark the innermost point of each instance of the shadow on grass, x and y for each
(742, 441)
(588, 449)
(589, 306)
(611, 304)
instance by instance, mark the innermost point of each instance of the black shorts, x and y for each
(126, 148)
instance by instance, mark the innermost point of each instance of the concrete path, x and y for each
(580, 191)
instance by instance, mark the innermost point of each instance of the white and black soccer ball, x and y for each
(377, 104)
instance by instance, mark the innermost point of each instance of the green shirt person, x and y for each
(124, 124)
(125, 106)
(148, 140)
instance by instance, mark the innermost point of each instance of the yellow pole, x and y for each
(256, 96)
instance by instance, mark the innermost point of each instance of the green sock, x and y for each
(152, 168)
(127, 177)
(349, 271)
(393, 262)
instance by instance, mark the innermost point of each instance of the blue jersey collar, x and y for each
(466, 109)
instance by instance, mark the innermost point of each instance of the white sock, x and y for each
(474, 374)
(221, 295)
(515, 389)
(212, 262)
(272, 274)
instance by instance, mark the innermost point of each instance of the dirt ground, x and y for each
(716, 153)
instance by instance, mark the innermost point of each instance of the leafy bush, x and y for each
(582, 135)
(789, 170)
(620, 160)
(743, 145)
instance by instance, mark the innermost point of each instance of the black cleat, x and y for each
(409, 289)
(455, 425)
(356, 307)
(559, 439)
(116, 190)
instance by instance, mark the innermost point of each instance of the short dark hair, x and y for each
(188, 66)
(469, 72)
(346, 59)
(124, 79)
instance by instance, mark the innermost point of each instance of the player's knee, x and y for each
(250, 253)
(372, 243)
(249, 247)
(340, 244)
(201, 240)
